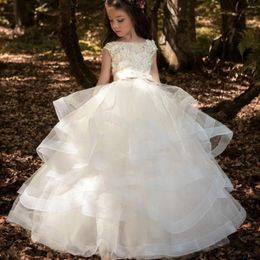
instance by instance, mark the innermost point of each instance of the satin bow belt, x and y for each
(129, 74)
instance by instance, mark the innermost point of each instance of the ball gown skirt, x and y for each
(130, 171)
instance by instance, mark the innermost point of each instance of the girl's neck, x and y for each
(131, 37)
(135, 39)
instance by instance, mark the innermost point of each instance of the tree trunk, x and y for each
(227, 110)
(233, 23)
(69, 40)
(178, 41)
(23, 13)
(154, 19)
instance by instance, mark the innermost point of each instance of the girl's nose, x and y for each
(116, 27)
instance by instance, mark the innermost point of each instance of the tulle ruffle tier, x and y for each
(132, 171)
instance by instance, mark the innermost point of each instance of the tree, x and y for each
(233, 24)
(236, 43)
(178, 41)
(70, 43)
(153, 17)
(24, 13)
(228, 109)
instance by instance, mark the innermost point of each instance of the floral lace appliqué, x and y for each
(131, 56)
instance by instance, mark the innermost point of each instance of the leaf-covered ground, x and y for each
(28, 85)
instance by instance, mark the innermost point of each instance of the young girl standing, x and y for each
(129, 170)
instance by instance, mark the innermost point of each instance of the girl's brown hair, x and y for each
(138, 15)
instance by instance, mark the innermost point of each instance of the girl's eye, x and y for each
(120, 21)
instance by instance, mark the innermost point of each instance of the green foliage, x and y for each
(253, 8)
(208, 23)
(204, 36)
(249, 48)
(5, 8)
(42, 8)
(2, 2)
(89, 26)
(3, 20)
(34, 40)
(160, 18)
(208, 10)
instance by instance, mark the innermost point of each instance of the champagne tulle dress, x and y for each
(130, 171)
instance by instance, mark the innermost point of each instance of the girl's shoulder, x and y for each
(110, 46)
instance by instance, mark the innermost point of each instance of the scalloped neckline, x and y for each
(134, 42)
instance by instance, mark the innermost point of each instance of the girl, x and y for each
(129, 170)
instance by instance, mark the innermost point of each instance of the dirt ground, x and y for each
(29, 84)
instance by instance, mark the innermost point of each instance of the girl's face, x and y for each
(120, 22)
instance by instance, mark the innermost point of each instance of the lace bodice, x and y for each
(131, 59)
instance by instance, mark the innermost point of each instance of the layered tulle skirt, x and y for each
(130, 171)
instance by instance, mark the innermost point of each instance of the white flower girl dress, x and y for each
(131, 170)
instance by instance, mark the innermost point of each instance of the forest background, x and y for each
(50, 48)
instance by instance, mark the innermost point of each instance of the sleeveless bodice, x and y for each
(131, 59)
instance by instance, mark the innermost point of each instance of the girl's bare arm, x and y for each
(154, 69)
(105, 72)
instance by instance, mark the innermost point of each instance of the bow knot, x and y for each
(130, 73)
